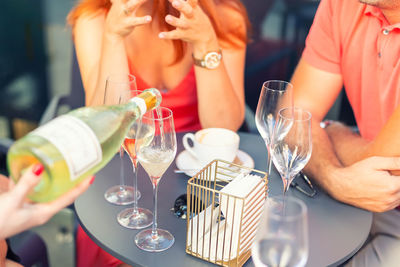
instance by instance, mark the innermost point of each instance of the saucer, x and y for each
(190, 165)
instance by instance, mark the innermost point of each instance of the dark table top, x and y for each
(336, 230)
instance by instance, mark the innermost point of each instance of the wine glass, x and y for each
(291, 145)
(155, 157)
(275, 94)
(282, 236)
(116, 84)
(135, 217)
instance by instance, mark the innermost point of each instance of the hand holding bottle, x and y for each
(122, 19)
(17, 214)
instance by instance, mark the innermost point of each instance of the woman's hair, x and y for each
(233, 36)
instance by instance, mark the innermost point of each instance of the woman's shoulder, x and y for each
(92, 18)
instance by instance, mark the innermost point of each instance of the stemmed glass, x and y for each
(275, 94)
(282, 236)
(116, 84)
(291, 146)
(135, 217)
(155, 158)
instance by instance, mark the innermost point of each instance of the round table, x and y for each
(336, 230)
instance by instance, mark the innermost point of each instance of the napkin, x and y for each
(239, 202)
(245, 196)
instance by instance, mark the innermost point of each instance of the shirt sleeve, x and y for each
(322, 48)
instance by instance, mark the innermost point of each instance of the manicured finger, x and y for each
(183, 7)
(69, 197)
(171, 35)
(134, 21)
(28, 181)
(176, 22)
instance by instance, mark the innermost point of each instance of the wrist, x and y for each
(113, 38)
(202, 48)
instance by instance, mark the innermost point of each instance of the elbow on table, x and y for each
(229, 120)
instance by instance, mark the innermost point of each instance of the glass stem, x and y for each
(122, 180)
(135, 199)
(155, 190)
(269, 159)
(286, 184)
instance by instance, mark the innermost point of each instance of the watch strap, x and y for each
(202, 62)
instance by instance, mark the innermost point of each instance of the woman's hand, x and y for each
(121, 18)
(17, 215)
(192, 26)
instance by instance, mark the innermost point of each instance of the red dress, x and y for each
(182, 100)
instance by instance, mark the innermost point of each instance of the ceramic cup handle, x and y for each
(188, 147)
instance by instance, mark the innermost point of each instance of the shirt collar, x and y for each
(376, 12)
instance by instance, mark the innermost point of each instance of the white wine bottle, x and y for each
(76, 145)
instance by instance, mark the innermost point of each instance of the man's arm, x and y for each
(367, 183)
(351, 147)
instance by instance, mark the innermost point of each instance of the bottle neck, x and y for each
(147, 100)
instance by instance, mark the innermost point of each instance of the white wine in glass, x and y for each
(282, 236)
(155, 158)
(275, 95)
(116, 86)
(292, 143)
(135, 217)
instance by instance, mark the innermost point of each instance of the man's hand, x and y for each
(17, 215)
(368, 184)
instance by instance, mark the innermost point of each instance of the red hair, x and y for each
(235, 37)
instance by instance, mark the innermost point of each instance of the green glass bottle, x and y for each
(73, 146)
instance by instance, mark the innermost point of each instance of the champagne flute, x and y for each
(155, 158)
(282, 236)
(291, 146)
(275, 94)
(116, 84)
(135, 217)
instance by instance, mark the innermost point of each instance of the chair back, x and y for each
(257, 10)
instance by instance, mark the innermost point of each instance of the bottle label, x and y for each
(75, 140)
(141, 104)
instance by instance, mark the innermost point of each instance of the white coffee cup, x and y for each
(212, 143)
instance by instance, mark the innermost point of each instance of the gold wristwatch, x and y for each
(210, 61)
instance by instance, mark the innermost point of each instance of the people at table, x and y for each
(193, 51)
(356, 44)
(18, 215)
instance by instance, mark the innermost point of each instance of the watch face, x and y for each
(212, 60)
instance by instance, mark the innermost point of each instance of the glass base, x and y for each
(162, 241)
(116, 196)
(142, 219)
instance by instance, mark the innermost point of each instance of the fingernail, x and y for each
(168, 18)
(161, 35)
(175, 3)
(38, 169)
(92, 180)
(148, 18)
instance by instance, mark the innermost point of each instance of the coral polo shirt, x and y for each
(356, 41)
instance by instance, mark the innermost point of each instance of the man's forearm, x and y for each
(324, 161)
(348, 145)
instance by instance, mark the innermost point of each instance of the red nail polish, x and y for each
(38, 169)
(92, 180)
